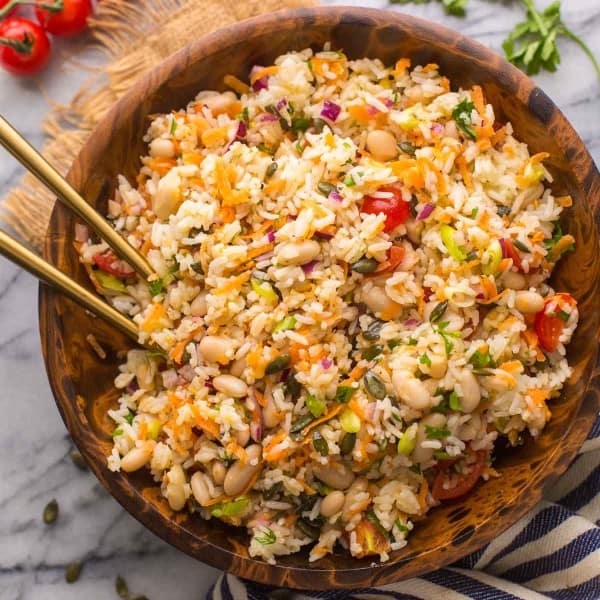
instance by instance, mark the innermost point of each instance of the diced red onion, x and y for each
(267, 118)
(281, 104)
(323, 235)
(336, 196)
(271, 236)
(388, 102)
(256, 431)
(308, 268)
(370, 411)
(261, 84)
(82, 233)
(411, 323)
(241, 131)
(170, 378)
(326, 363)
(209, 384)
(330, 110)
(437, 128)
(265, 256)
(427, 210)
(133, 386)
(480, 296)
(503, 246)
(372, 110)
(284, 375)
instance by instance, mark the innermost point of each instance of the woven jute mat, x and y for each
(135, 35)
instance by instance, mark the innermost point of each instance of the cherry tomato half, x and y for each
(464, 483)
(109, 263)
(24, 46)
(396, 211)
(64, 21)
(552, 319)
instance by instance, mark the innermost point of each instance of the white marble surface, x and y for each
(34, 446)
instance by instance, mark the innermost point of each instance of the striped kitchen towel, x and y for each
(552, 552)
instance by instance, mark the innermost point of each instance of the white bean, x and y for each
(136, 458)
(528, 302)
(200, 488)
(239, 476)
(214, 348)
(242, 436)
(297, 253)
(237, 366)
(218, 472)
(332, 503)
(382, 145)
(411, 390)
(339, 476)
(175, 491)
(162, 148)
(198, 307)
(377, 300)
(471, 392)
(219, 103)
(270, 414)
(514, 280)
(230, 385)
(167, 197)
(438, 366)
(419, 454)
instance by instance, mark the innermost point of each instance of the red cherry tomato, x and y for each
(464, 483)
(552, 319)
(510, 251)
(11, 12)
(66, 21)
(109, 263)
(396, 211)
(24, 46)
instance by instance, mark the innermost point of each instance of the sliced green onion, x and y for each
(285, 324)
(154, 428)
(406, 119)
(278, 364)
(494, 253)
(264, 289)
(231, 509)
(408, 441)
(454, 401)
(349, 421)
(438, 311)
(315, 405)
(448, 240)
(110, 282)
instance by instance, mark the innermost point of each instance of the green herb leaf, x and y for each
(343, 394)
(230, 509)
(425, 360)
(320, 443)
(436, 433)
(156, 287)
(173, 126)
(454, 401)
(480, 360)
(462, 116)
(315, 405)
(267, 538)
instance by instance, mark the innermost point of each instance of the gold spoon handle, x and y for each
(37, 165)
(19, 254)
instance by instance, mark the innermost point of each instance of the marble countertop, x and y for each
(34, 447)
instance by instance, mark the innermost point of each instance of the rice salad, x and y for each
(350, 304)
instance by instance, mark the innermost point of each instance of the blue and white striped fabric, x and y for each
(552, 552)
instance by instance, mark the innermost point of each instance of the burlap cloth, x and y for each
(135, 35)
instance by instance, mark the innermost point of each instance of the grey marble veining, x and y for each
(34, 447)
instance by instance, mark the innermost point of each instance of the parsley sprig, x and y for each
(451, 7)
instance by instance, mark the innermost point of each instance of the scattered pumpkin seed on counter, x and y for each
(50, 512)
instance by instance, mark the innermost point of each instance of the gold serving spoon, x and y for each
(34, 264)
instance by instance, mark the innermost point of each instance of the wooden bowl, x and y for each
(83, 384)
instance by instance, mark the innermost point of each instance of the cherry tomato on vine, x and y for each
(24, 46)
(109, 263)
(448, 486)
(63, 18)
(552, 319)
(11, 12)
(396, 211)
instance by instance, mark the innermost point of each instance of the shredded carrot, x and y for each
(430, 67)
(205, 424)
(478, 99)
(423, 491)
(564, 201)
(512, 366)
(332, 413)
(236, 84)
(161, 164)
(254, 252)
(495, 298)
(192, 158)
(445, 84)
(232, 284)
(504, 265)
(361, 113)
(143, 431)
(227, 214)
(234, 449)
(334, 66)
(484, 144)
(356, 408)
(401, 65)
(269, 452)
(147, 246)
(177, 352)
(538, 397)
(464, 172)
(356, 373)
(264, 72)
(216, 136)
(499, 135)
(152, 321)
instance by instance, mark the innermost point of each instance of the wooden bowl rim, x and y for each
(167, 529)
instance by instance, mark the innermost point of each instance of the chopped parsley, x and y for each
(481, 360)
(173, 126)
(436, 433)
(425, 360)
(349, 181)
(156, 287)
(462, 116)
(446, 336)
(343, 394)
(454, 401)
(315, 405)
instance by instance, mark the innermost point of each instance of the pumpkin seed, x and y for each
(347, 443)
(271, 169)
(374, 386)
(307, 529)
(326, 188)
(121, 587)
(318, 124)
(293, 387)
(521, 246)
(371, 352)
(278, 364)
(438, 311)
(320, 444)
(73, 571)
(50, 512)
(364, 266)
(407, 148)
(373, 330)
(301, 423)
